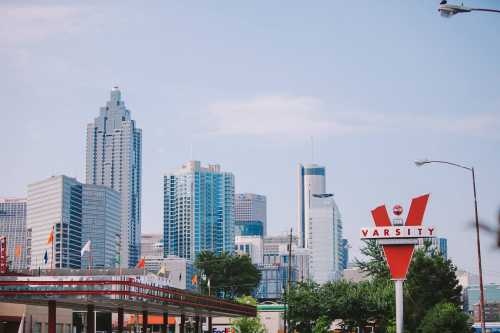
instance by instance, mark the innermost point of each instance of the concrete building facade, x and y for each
(250, 208)
(253, 246)
(152, 245)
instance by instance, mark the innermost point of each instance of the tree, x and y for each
(431, 280)
(322, 325)
(375, 265)
(304, 306)
(445, 318)
(248, 324)
(230, 275)
(367, 303)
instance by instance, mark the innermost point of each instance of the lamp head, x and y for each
(447, 10)
(421, 162)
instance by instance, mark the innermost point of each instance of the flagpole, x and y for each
(52, 250)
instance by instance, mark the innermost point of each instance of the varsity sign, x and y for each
(396, 232)
(398, 240)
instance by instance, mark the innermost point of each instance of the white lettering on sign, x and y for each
(397, 232)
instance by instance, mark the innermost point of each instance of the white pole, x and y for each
(398, 284)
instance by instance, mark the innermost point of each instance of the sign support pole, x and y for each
(398, 284)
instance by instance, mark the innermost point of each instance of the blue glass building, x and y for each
(198, 211)
(249, 228)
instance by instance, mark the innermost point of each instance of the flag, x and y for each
(208, 283)
(21, 325)
(46, 257)
(162, 271)
(194, 280)
(141, 263)
(50, 240)
(180, 276)
(86, 248)
(18, 250)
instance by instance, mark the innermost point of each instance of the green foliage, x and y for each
(375, 265)
(322, 325)
(230, 275)
(431, 280)
(304, 306)
(356, 304)
(445, 318)
(249, 300)
(247, 324)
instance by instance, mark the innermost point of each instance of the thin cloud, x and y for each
(21, 25)
(275, 116)
(280, 116)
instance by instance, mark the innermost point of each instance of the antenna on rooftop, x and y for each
(312, 149)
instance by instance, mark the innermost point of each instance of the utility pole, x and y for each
(289, 275)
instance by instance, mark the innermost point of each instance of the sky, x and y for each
(363, 88)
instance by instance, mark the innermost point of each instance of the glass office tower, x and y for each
(55, 203)
(198, 211)
(101, 216)
(114, 159)
(13, 226)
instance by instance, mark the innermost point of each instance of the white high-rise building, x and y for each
(114, 156)
(324, 238)
(319, 224)
(311, 180)
(55, 203)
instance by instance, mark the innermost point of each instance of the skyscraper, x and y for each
(324, 238)
(319, 223)
(55, 204)
(101, 221)
(13, 226)
(198, 211)
(114, 158)
(311, 180)
(250, 214)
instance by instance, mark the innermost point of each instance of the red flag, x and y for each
(194, 280)
(18, 250)
(141, 263)
(50, 240)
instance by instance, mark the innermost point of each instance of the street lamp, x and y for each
(481, 290)
(448, 10)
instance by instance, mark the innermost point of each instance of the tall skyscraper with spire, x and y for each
(114, 159)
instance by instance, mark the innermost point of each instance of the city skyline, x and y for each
(253, 107)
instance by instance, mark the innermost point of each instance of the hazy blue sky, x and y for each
(247, 83)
